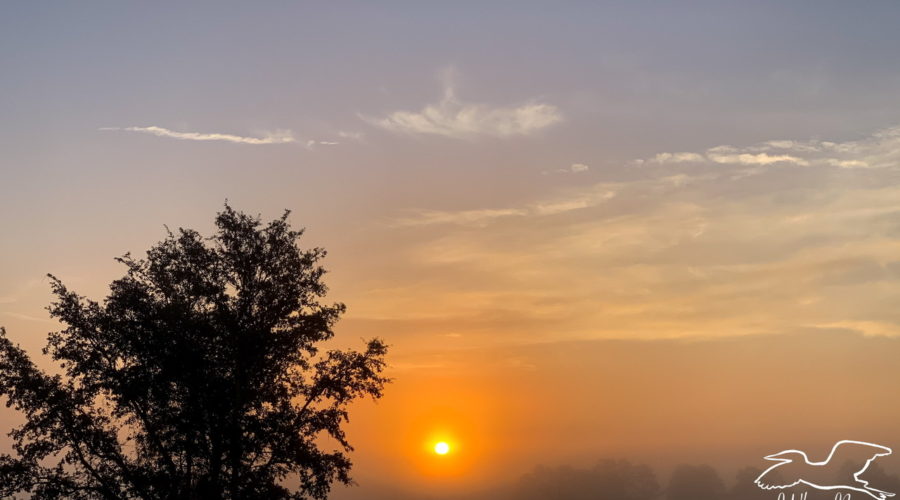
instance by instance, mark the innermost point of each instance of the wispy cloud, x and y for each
(729, 156)
(575, 168)
(25, 317)
(356, 136)
(482, 217)
(312, 143)
(277, 137)
(453, 118)
(754, 158)
(578, 167)
(677, 157)
(880, 150)
(866, 328)
(463, 217)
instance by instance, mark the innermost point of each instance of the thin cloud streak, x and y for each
(462, 217)
(453, 118)
(865, 328)
(312, 143)
(482, 217)
(755, 159)
(277, 137)
(25, 317)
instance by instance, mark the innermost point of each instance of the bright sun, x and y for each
(441, 448)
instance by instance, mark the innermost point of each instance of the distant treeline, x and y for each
(623, 480)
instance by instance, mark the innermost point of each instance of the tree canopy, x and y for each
(201, 375)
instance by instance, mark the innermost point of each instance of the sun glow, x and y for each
(442, 448)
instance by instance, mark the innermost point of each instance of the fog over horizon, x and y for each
(724, 402)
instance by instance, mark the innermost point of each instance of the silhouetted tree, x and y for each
(198, 377)
(695, 482)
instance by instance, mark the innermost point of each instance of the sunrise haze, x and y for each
(667, 233)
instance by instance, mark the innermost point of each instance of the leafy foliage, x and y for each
(198, 376)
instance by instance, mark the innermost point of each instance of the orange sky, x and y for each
(724, 402)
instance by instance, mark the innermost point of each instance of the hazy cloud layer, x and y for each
(742, 245)
(277, 137)
(452, 117)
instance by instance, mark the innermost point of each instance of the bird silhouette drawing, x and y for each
(833, 473)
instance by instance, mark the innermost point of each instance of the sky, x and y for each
(663, 231)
